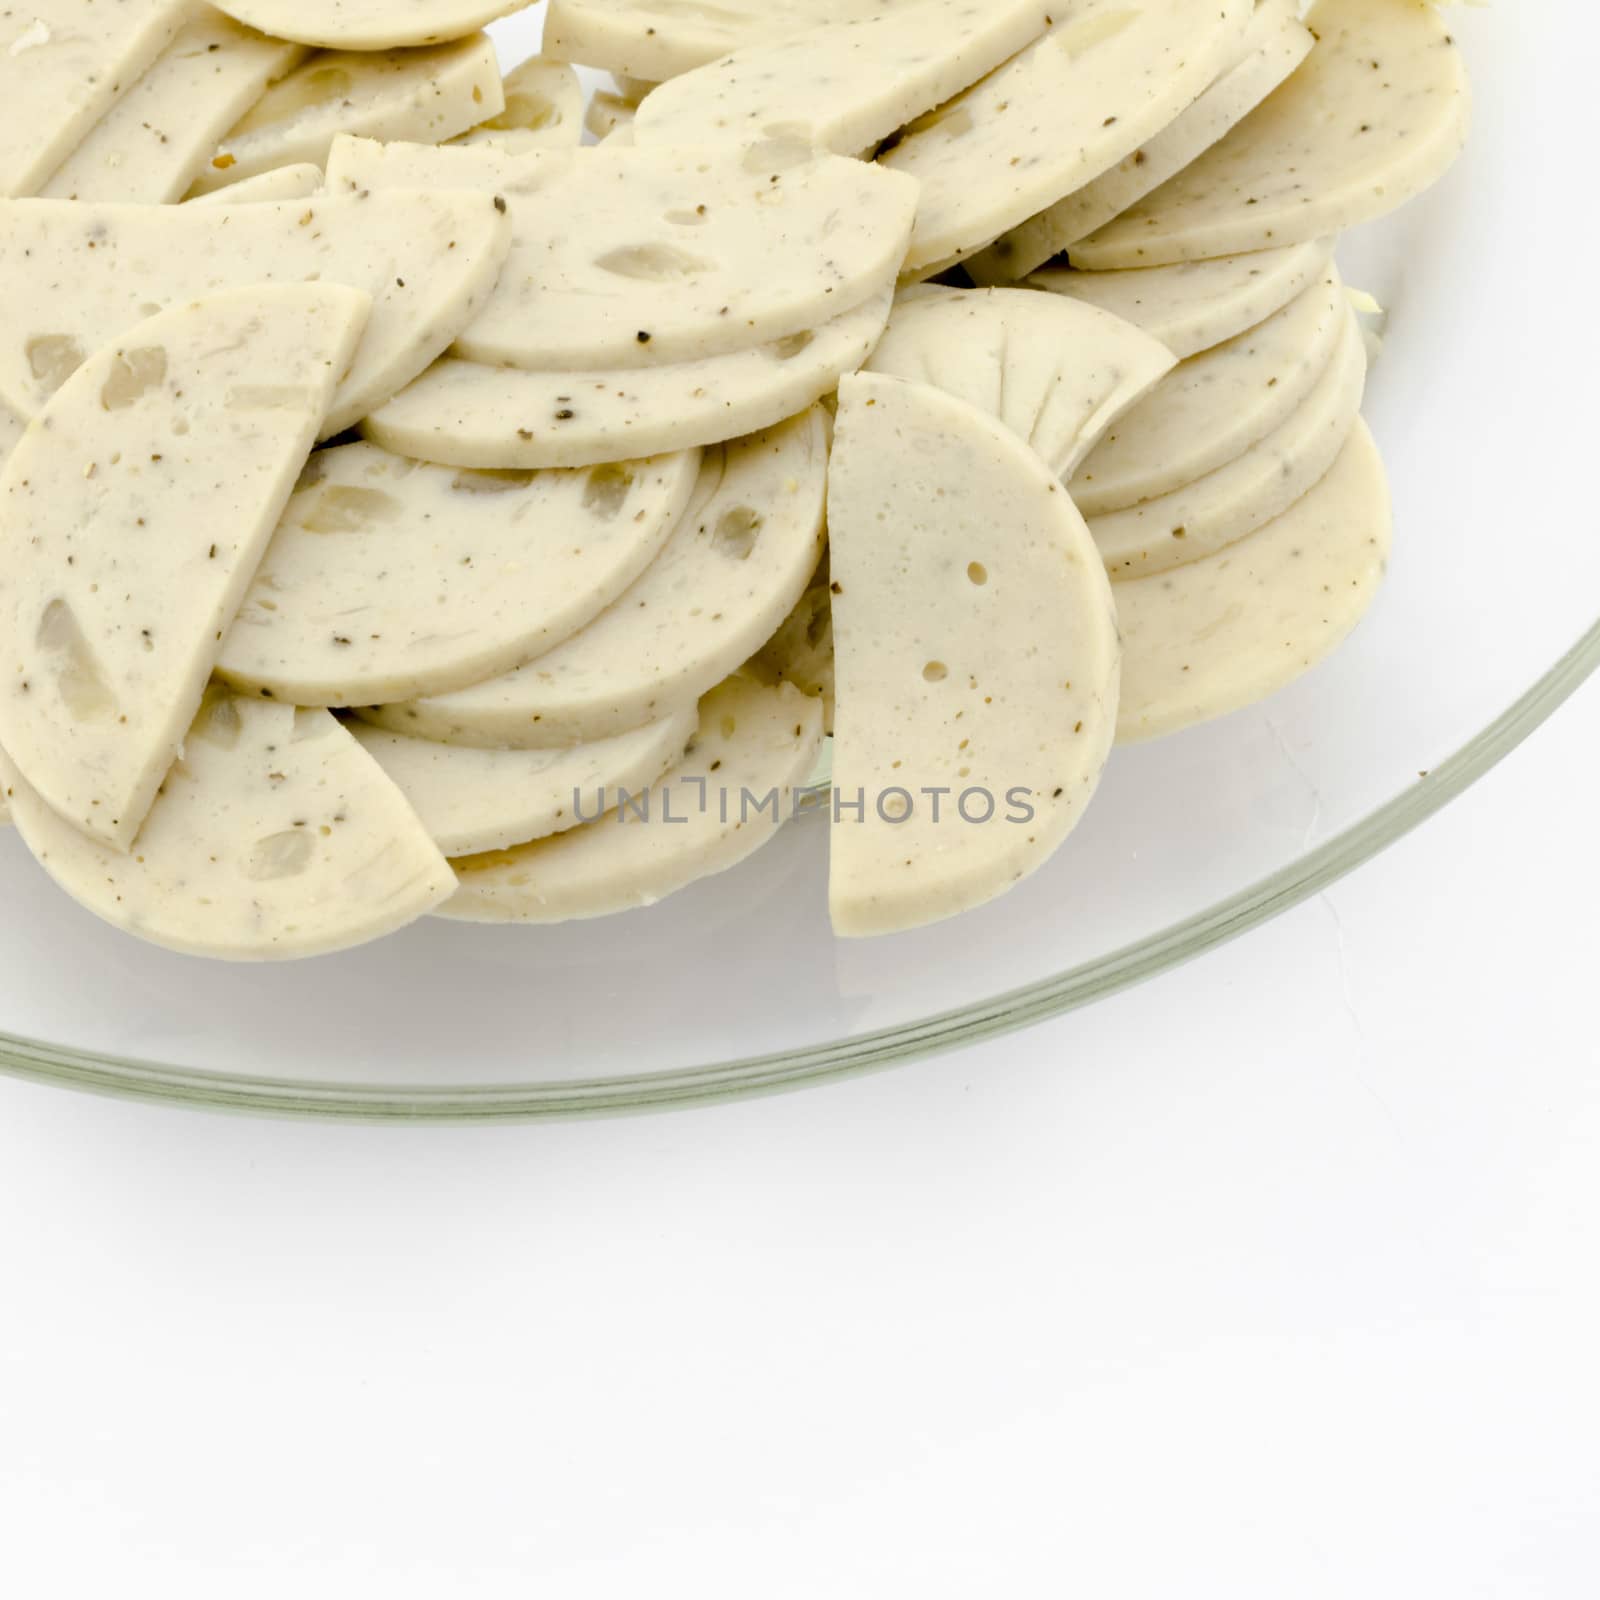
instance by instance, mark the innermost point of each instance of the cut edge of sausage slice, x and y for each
(734, 788)
(77, 275)
(1342, 142)
(133, 514)
(470, 415)
(1275, 43)
(1220, 634)
(472, 800)
(1055, 372)
(738, 560)
(429, 93)
(653, 40)
(1252, 489)
(368, 24)
(843, 86)
(976, 656)
(152, 143)
(274, 837)
(389, 578)
(1213, 407)
(1197, 304)
(294, 182)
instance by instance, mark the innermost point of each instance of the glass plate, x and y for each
(1483, 404)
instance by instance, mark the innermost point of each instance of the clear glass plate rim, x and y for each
(1015, 1009)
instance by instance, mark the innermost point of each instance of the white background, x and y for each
(1276, 1277)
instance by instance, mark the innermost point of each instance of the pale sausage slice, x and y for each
(1109, 75)
(1218, 634)
(132, 515)
(426, 94)
(801, 651)
(736, 563)
(152, 143)
(368, 24)
(657, 39)
(1055, 373)
(275, 836)
(473, 415)
(544, 110)
(1250, 490)
(11, 430)
(1196, 304)
(727, 798)
(975, 654)
(844, 86)
(389, 578)
(1377, 113)
(63, 63)
(471, 800)
(1213, 407)
(77, 276)
(636, 258)
(1275, 43)
(293, 182)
